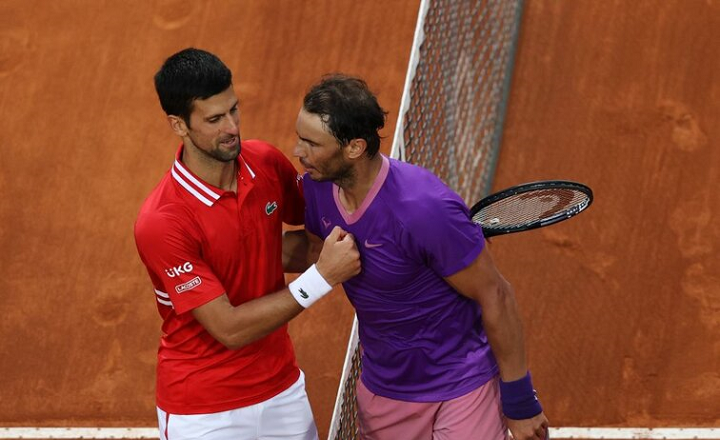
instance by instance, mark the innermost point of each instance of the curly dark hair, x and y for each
(348, 108)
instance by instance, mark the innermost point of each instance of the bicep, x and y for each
(214, 315)
(480, 280)
(172, 252)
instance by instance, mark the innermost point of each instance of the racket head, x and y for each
(530, 206)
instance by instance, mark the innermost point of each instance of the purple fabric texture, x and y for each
(422, 341)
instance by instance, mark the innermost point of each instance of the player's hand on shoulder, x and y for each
(339, 259)
(534, 428)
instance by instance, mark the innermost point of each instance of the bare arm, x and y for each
(301, 249)
(238, 326)
(482, 282)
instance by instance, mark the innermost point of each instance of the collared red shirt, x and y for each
(197, 242)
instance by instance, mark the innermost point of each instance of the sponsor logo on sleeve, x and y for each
(190, 285)
(178, 270)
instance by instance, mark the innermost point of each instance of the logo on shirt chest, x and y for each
(370, 245)
(270, 207)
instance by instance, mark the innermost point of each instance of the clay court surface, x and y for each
(621, 305)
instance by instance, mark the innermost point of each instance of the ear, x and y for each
(356, 148)
(177, 124)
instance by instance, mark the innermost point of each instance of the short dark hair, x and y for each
(348, 108)
(189, 75)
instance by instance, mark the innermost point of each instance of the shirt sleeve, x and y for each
(441, 234)
(171, 252)
(291, 182)
(311, 213)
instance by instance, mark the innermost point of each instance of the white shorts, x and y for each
(287, 416)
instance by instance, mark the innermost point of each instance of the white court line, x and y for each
(555, 433)
(96, 433)
(635, 433)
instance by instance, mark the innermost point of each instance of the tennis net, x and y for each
(450, 121)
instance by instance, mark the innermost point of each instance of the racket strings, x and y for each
(524, 208)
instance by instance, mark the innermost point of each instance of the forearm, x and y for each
(256, 319)
(503, 326)
(238, 326)
(482, 282)
(299, 251)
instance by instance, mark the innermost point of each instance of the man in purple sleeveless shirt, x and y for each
(443, 348)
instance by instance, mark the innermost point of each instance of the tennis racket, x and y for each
(530, 206)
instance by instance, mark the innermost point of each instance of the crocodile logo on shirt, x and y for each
(270, 207)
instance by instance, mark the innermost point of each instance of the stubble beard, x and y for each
(344, 177)
(217, 153)
(223, 155)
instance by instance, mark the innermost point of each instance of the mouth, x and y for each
(307, 167)
(229, 143)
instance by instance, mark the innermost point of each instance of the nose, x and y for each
(233, 125)
(299, 150)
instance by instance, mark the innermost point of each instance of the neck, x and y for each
(354, 190)
(217, 173)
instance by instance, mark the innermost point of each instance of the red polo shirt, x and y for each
(198, 242)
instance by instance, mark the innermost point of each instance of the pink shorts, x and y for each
(476, 415)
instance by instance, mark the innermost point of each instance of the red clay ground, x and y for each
(622, 304)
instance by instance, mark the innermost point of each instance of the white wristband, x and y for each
(309, 287)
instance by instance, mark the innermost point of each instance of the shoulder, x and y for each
(261, 152)
(418, 189)
(311, 186)
(267, 159)
(158, 222)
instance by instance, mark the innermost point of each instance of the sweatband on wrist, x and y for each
(309, 287)
(519, 399)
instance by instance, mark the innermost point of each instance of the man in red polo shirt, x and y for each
(210, 235)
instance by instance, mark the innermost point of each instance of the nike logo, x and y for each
(372, 245)
(304, 294)
(326, 223)
(270, 207)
